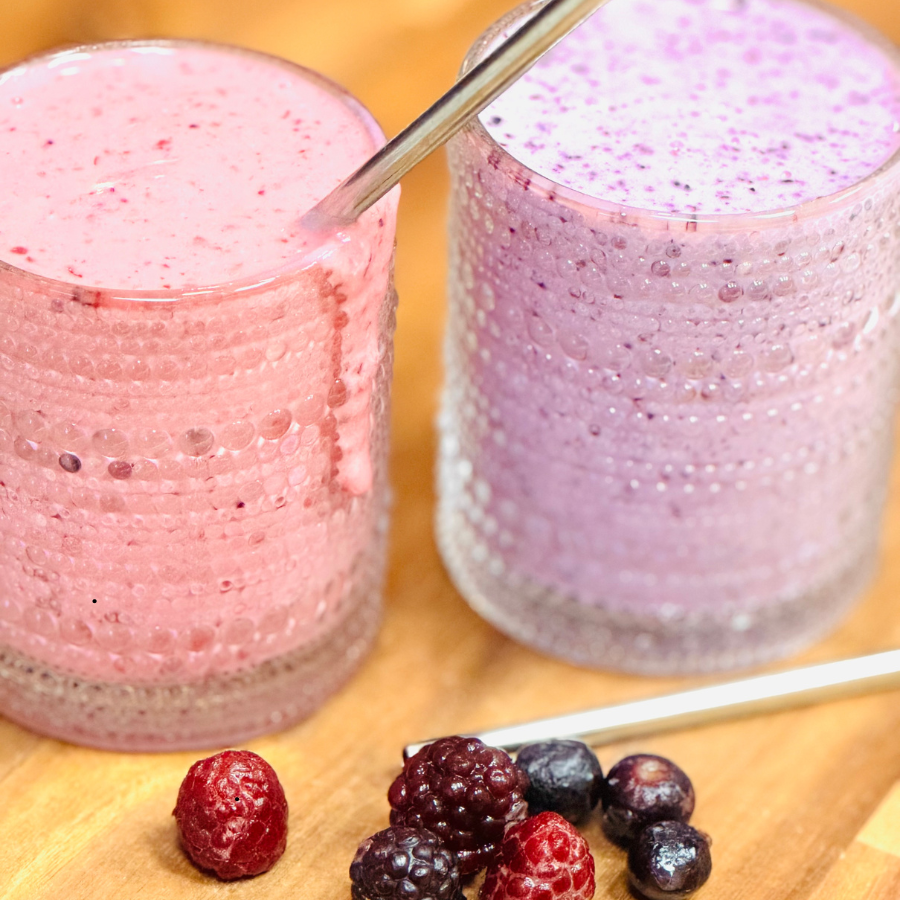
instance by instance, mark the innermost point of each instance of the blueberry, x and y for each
(643, 789)
(669, 860)
(565, 778)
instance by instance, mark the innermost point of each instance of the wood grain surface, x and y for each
(801, 806)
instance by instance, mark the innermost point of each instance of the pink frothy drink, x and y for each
(193, 398)
(671, 351)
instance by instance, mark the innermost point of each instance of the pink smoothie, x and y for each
(156, 167)
(191, 478)
(665, 437)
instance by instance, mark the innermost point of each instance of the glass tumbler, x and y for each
(664, 439)
(193, 494)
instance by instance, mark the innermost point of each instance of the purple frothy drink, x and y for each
(675, 262)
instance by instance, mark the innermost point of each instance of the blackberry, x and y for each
(232, 814)
(669, 861)
(464, 792)
(643, 789)
(404, 864)
(565, 778)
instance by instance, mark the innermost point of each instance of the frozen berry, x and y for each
(643, 789)
(232, 814)
(565, 778)
(542, 858)
(404, 864)
(464, 792)
(669, 860)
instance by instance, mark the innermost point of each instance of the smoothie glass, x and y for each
(665, 437)
(193, 495)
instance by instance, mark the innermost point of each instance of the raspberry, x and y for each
(232, 814)
(643, 789)
(405, 864)
(669, 861)
(542, 858)
(464, 792)
(565, 778)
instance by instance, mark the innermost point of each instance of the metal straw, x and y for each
(472, 93)
(702, 706)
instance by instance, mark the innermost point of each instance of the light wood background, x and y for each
(801, 806)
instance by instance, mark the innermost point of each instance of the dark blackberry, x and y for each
(565, 778)
(669, 861)
(643, 789)
(404, 864)
(464, 792)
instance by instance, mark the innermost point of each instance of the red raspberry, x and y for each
(232, 814)
(542, 858)
(464, 792)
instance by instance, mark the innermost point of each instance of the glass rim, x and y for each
(258, 281)
(622, 213)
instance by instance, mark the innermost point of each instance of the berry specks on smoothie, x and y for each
(78, 204)
(698, 108)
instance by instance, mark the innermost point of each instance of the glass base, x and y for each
(216, 712)
(593, 636)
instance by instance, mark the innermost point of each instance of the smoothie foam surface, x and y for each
(705, 106)
(166, 166)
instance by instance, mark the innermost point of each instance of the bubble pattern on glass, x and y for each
(664, 422)
(181, 464)
(219, 710)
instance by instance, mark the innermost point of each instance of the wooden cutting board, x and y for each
(801, 806)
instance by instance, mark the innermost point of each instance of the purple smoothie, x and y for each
(698, 106)
(666, 426)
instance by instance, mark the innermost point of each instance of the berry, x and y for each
(641, 790)
(669, 860)
(232, 814)
(565, 778)
(464, 792)
(405, 864)
(542, 858)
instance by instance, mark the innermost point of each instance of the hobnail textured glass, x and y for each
(664, 440)
(193, 497)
